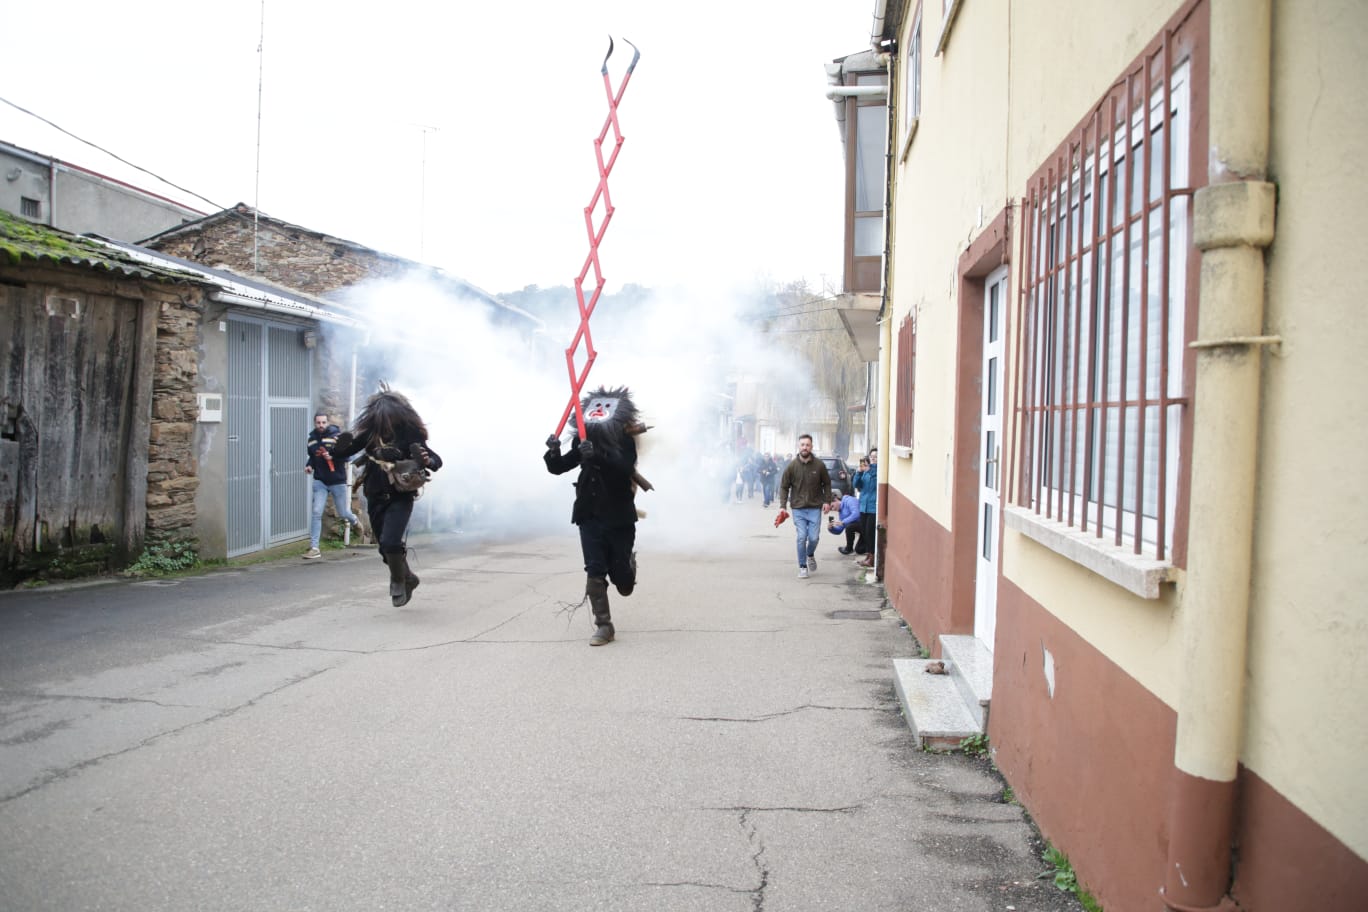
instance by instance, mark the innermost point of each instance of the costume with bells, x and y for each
(605, 505)
(389, 431)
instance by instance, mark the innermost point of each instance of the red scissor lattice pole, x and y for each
(595, 232)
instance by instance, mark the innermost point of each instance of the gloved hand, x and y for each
(553, 442)
(779, 520)
(587, 450)
(344, 440)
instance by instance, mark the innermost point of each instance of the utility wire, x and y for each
(782, 332)
(110, 154)
(791, 313)
(802, 307)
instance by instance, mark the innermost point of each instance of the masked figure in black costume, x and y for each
(605, 505)
(389, 430)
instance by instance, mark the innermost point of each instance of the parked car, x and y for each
(841, 475)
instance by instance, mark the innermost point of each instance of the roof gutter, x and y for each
(281, 306)
(226, 291)
(880, 15)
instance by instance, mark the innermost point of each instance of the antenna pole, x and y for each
(256, 193)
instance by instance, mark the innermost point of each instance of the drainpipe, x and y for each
(885, 311)
(351, 399)
(351, 423)
(1233, 221)
(836, 93)
(52, 193)
(885, 457)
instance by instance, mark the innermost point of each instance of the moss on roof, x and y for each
(22, 240)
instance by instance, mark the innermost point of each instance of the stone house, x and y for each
(247, 242)
(317, 268)
(222, 320)
(190, 388)
(252, 364)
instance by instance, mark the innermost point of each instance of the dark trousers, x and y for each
(389, 518)
(608, 551)
(866, 543)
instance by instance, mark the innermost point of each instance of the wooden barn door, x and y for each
(70, 400)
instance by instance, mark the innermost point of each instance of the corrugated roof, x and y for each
(244, 213)
(22, 240)
(250, 291)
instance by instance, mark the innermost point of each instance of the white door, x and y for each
(990, 452)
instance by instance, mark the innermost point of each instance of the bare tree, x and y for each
(807, 326)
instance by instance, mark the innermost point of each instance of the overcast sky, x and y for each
(461, 133)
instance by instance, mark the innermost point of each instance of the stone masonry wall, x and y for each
(172, 473)
(305, 261)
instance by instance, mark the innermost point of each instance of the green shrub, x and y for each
(975, 745)
(1065, 879)
(166, 555)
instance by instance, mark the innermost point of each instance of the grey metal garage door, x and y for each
(268, 424)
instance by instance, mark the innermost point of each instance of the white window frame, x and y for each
(949, 10)
(911, 86)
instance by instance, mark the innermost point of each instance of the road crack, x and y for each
(76, 768)
(766, 717)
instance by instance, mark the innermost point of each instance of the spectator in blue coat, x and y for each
(867, 484)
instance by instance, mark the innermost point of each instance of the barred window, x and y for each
(1104, 314)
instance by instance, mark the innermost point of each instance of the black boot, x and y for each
(597, 589)
(627, 586)
(402, 580)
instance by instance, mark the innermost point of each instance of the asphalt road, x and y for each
(280, 737)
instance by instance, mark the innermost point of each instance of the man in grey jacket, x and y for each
(805, 488)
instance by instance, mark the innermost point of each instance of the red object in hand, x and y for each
(779, 520)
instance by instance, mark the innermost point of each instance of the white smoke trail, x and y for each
(490, 394)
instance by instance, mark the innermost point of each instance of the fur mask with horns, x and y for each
(609, 415)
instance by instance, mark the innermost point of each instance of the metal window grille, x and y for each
(1103, 309)
(30, 208)
(907, 388)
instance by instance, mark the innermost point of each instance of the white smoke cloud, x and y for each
(490, 394)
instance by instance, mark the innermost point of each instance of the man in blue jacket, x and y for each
(329, 477)
(848, 520)
(867, 484)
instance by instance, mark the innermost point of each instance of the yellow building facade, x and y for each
(1122, 343)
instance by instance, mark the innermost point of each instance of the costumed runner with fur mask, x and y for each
(391, 431)
(605, 505)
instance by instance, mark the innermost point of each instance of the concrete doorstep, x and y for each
(946, 700)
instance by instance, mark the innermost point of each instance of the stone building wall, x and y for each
(283, 254)
(294, 258)
(172, 472)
